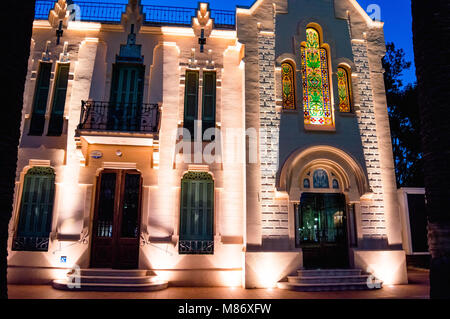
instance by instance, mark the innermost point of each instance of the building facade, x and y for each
(210, 147)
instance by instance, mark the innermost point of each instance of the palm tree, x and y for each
(17, 18)
(431, 33)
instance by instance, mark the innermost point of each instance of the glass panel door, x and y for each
(321, 230)
(130, 206)
(106, 203)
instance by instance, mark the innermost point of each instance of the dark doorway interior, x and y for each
(321, 230)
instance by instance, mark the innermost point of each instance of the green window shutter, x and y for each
(197, 212)
(55, 125)
(40, 99)
(191, 101)
(209, 101)
(126, 97)
(35, 216)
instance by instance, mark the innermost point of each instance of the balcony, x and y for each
(109, 126)
(141, 118)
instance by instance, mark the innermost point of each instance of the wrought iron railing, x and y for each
(111, 12)
(119, 117)
(100, 11)
(42, 9)
(162, 15)
(224, 19)
(196, 247)
(28, 243)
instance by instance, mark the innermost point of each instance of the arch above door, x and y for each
(349, 173)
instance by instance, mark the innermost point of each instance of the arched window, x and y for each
(306, 183)
(316, 83)
(335, 184)
(197, 214)
(344, 90)
(288, 85)
(36, 208)
(320, 179)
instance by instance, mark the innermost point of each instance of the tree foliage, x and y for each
(404, 118)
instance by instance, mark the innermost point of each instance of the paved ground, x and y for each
(418, 288)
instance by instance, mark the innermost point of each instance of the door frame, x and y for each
(117, 217)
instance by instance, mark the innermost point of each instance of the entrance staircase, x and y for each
(110, 280)
(330, 280)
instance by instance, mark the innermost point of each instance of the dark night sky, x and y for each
(396, 14)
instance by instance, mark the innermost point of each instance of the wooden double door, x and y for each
(117, 217)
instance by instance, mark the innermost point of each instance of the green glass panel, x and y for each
(40, 99)
(191, 101)
(36, 207)
(197, 207)
(209, 101)
(59, 100)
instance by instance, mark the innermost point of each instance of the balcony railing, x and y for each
(196, 247)
(119, 117)
(111, 12)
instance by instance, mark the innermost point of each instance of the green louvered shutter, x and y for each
(40, 99)
(126, 97)
(209, 101)
(197, 214)
(55, 125)
(35, 216)
(191, 101)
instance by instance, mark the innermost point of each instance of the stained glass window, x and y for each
(344, 90)
(288, 85)
(335, 184)
(316, 84)
(306, 183)
(320, 179)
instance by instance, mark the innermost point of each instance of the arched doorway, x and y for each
(321, 221)
(117, 217)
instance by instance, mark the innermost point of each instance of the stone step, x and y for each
(115, 279)
(103, 272)
(327, 279)
(150, 286)
(329, 272)
(329, 286)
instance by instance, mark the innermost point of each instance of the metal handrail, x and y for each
(119, 117)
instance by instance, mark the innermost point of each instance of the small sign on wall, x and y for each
(96, 154)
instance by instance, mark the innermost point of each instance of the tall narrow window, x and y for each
(40, 99)
(344, 90)
(316, 83)
(36, 207)
(197, 214)
(55, 125)
(127, 90)
(191, 101)
(209, 101)
(288, 85)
